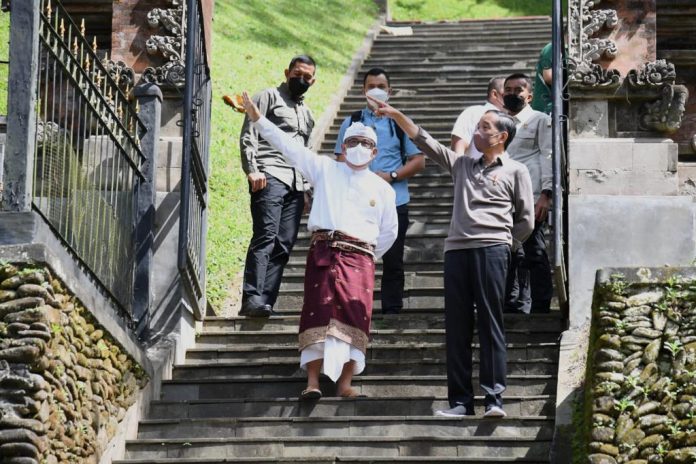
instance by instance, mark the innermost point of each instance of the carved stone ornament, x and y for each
(169, 46)
(583, 49)
(664, 114)
(653, 74)
(123, 75)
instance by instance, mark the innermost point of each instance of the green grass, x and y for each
(434, 10)
(4, 56)
(253, 42)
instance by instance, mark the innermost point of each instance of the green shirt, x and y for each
(541, 98)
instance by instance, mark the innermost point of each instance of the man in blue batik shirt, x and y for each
(397, 160)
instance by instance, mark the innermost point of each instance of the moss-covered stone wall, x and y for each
(641, 377)
(65, 384)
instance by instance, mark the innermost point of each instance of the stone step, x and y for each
(342, 460)
(414, 298)
(470, 446)
(515, 405)
(373, 426)
(429, 42)
(411, 320)
(181, 389)
(397, 58)
(378, 337)
(290, 368)
(395, 352)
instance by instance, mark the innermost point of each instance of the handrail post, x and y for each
(16, 176)
(150, 101)
(558, 153)
(184, 206)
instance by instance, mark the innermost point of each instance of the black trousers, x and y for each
(393, 267)
(475, 278)
(275, 212)
(529, 285)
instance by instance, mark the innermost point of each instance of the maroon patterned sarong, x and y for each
(338, 290)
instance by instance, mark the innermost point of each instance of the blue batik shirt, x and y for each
(389, 152)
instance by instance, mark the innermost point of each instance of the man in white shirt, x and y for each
(530, 287)
(468, 120)
(353, 221)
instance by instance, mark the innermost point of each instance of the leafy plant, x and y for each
(624, 404)
(674, 347)
(617, 284)
(661, 450)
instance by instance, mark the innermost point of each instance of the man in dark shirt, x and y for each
(276, 188)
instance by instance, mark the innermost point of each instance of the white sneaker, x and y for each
(494, 411)
(457, 411)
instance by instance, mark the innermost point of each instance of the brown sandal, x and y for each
(351, 393)
(309, 394)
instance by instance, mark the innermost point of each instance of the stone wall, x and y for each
(640, 397)
(64, 383)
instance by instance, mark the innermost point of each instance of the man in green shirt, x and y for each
(543, 77)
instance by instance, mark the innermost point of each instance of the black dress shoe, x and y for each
(249, 309)
(261, 311)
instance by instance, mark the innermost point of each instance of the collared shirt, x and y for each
(389, 150)
(291, 116)
(492, 204)
(531, 146)
(357, 203)
(466, 124)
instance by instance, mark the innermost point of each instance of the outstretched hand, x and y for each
(383, 108)
(250, 107)
(404, 122)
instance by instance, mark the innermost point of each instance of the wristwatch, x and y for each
(394, 176)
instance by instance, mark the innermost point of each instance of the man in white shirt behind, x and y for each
(464, 127)
(353, 221)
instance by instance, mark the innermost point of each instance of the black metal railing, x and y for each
(560, 177)
(87, 158)
(194, 170)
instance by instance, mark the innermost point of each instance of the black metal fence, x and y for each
(194, 171)
(87, 159)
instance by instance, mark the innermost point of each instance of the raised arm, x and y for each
(306, 161)
(430, 147)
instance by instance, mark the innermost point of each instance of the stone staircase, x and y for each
(235, 398)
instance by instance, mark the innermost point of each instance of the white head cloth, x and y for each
(358, 129)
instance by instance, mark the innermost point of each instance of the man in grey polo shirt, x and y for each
(492, 206)
(530, 287)
(276, 188)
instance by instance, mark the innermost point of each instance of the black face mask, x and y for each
(297, 86)
(514, 103)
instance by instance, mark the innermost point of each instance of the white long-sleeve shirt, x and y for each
(358, 203)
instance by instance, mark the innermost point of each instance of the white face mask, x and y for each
(358, 156)
(377, 94)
